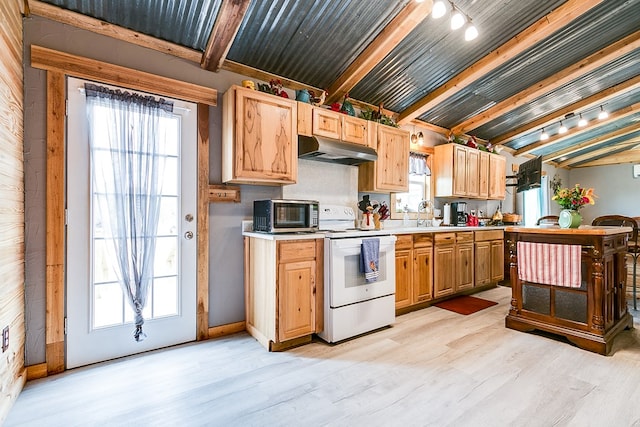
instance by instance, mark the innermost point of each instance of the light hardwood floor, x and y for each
(432, 368)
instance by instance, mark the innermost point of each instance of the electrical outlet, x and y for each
(5, 339)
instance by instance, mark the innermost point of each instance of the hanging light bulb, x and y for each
(471, 32)
(420, 138)
(582, 122)
(457, 18)
(603, 114)
(439, 9)
(544, 136)
(563, 128)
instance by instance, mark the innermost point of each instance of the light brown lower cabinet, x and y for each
(283, 290)
(414, 269)
(489, 247)
(444, 264)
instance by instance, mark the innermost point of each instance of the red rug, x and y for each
(465, 304)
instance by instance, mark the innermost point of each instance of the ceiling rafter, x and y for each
(584, 104)
(592, 142)
(631, 156)
(224, 30)
(570, 73)
(395, 31)
(535, 33)
(598, 152)
(613, 117)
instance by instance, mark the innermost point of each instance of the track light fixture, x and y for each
(458, 18)
(563, 128)
(582, 122)
(603, 114)
(544, 135)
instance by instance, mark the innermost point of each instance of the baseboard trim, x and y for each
(37, 371)
(228, 329)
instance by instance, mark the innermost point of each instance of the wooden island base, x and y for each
(590, 309)
(596, 343)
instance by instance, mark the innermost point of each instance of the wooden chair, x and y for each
(633, 248)
(547, 220)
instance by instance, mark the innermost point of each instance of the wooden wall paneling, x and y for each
(12, 216)
(202, 285)
(55, 221)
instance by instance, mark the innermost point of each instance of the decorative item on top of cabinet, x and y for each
(259, 138)
(389, 172)
(224, 193)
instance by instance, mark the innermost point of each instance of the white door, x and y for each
(99, 321)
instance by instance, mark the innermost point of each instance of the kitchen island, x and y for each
(570, 282)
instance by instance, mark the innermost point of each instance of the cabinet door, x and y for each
(464, 266)
(266, 147)
(296, 302)
(393, 159)
(422, 274)
(459, 171)
(473, 173)
(403, 278)
(326, 123)
(444, 277)
(483, 175)
(355, 130)
(497, 176)
(497, 260)
(483, 263)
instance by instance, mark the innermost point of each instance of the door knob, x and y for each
(188, 235)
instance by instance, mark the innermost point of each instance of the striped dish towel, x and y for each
(370, 259)
(550, 264)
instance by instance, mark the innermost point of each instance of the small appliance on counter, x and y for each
(459, 214)
(285, 216)
(446, 216)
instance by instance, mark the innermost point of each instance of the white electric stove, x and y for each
(351, 305)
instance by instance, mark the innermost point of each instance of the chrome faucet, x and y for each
(425, 206)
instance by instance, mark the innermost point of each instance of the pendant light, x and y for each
(603, 114)
(544, 135)
(471, 32)
(457, 18)
(420, 138)
(563, 128)
(439, 9)
(582, 122)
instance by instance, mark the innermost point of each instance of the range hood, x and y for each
(333, 151)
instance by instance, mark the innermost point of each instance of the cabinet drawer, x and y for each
(403, 241)
(445, 238)
(421, 240)
(300, 249)
(482, 236)
(464, 237)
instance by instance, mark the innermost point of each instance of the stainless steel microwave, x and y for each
(285, 216)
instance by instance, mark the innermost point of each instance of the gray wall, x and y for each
(226, 294)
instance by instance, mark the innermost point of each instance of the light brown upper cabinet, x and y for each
(461, 171)
(259, 138)
(389, 172)
(331, 124)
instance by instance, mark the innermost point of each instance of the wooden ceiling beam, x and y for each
(572, 72)
(613, 116)
(88, 23)
(535, 33)
(584, 104)
(228, 21)
(598, 152)
(631, 156)
(592, 142)
(395, 31)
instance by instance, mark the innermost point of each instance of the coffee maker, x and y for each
(459, 214)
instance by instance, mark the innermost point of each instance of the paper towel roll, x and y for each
(446, 216)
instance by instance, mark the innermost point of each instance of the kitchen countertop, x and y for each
(393, 230)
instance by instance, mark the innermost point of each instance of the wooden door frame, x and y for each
(58, 66)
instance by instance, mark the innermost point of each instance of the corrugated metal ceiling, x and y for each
(314, 42)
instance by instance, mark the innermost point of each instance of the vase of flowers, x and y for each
(571, 200)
